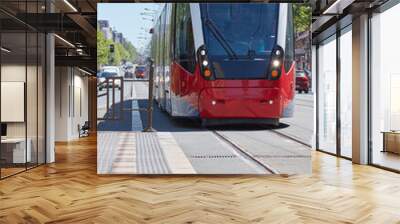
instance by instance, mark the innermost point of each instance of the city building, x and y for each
(117, 37)
(105, 28)
(303, 50)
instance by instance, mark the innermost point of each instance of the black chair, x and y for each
(84, 130)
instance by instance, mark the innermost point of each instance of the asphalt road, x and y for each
(300, 126)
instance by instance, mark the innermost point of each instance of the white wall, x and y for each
(61, 103)
(71, 102)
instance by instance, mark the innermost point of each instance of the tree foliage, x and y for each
(125, 51)
(302, 17)
(102, 49)
(131, 50)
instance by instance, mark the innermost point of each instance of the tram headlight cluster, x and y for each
(204, 63)
(275, 67)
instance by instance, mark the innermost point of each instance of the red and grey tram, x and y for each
(225, 61)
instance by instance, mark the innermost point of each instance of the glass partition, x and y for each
(327, 95)
(22, 78)
(385, 89)
(346, 92)
(13, 113)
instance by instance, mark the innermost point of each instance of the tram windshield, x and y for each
(239, 38)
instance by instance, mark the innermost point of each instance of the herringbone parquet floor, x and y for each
(70, 191)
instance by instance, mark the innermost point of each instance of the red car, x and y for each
(302, 82)
(139, 71)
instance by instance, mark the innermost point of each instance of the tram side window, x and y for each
(184, 42)
(289, 48)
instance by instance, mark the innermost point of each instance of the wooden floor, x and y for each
(70, 191)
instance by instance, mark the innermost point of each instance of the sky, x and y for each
(126, 18)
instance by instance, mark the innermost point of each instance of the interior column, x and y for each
(360, 90)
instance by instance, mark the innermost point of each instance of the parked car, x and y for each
(108, 74)
(112, 69)
(140, 71)
(302, 82)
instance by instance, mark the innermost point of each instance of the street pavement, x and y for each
(301, 125)
(182, 146)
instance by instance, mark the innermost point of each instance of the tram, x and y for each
(225, 62)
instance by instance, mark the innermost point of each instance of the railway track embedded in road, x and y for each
(245, 154)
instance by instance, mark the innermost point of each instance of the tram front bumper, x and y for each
(241, 103)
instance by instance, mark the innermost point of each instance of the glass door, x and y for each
(385, 89)
(346, 92)
(327, 95)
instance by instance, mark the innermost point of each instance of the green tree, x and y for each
(131, 50)
(125, 51)
(302, 17)
(102, 49)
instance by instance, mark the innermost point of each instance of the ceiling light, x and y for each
(5, 50)
(86, 72)
(337, 7)
(64, 40)
(70, 5)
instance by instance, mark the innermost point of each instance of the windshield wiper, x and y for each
(221, 39)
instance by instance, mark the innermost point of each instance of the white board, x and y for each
(12, 101)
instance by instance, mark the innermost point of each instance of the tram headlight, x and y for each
(275, 66)
(276, 63)
(204, 63)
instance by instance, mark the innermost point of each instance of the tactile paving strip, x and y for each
(150, 158)
(106, 144)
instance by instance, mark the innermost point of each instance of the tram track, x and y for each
(244, 153)
(291, 138)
